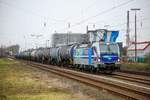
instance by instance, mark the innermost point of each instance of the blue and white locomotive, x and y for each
(97, 57)
(101, 54)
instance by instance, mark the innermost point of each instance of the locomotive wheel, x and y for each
(91, 69)
(94, 70)
(108, 71)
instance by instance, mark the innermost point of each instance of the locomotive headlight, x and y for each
(107, 43)
(118, 60)
(99, 60)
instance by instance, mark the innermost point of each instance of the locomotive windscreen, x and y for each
(111, 48)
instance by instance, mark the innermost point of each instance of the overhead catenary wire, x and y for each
(120, 24)
(103, 12)
(55, 20)
(82, 11)
(143, 19)
(100, 13)
(124, 23)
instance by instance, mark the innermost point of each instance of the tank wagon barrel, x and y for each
(54, 55)
(33, 55)
(66, 54)
(46, 55)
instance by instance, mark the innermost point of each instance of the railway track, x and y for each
(127, 90)
(132, 77)
(136, 72)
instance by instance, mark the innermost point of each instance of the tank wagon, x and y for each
(54, 56)
(66, 54)
(46, 56)
(39, 55)
(32, 56)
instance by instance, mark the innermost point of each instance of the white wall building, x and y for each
(143, 48)
(59, 39)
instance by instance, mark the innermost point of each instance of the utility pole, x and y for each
(47, 44)
(68, 34)
(128, 31)
(25, 42)
(87, 28)
(94, 26)
(135, 9)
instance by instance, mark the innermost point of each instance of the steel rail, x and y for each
(133, 78)
(144, 73)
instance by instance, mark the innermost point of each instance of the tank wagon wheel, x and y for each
(53, 63)
(43, 60)
(63, 64)
(80, 68)
(59, 64)
(49, 61)
(77, 67)
(74, 66)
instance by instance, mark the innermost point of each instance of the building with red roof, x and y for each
(143, 48)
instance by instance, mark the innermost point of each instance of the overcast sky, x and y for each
(21, 19)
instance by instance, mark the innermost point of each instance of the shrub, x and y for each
(147, 58)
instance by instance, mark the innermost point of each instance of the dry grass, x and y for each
(18, 82)
(21, 82)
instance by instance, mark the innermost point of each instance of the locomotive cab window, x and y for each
(113, 48)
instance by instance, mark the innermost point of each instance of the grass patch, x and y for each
(49, 96)
(6, 61)
(21, 82)
(136, 66)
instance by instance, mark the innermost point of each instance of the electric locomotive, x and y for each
(98, 57)
(101, 54)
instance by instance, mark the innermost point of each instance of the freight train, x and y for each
(97, 56)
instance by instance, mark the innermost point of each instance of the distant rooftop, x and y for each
(140, 45)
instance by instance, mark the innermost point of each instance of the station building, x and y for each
(143, 48)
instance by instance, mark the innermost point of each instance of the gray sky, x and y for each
(21, 18)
